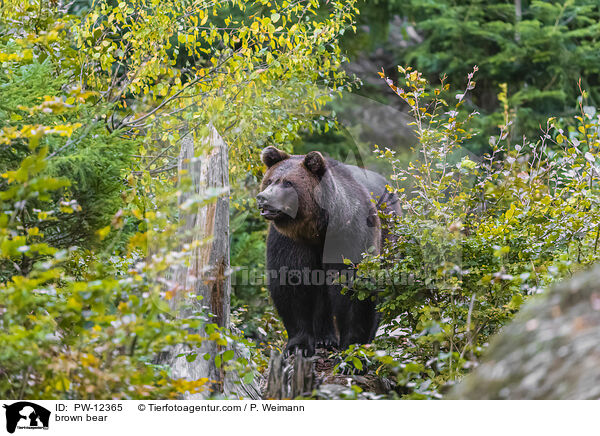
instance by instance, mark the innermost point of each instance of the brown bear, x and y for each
(321, 212)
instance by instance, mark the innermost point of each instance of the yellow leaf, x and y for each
(103, 232)
(510, 212)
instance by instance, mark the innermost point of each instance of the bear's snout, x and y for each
(261, 200)
(276, 203)
(267, 209)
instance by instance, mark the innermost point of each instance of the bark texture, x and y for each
(289, 378)
(208, 274)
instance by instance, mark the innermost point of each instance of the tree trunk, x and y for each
(208, 273)
(518, 17)
(289, 379)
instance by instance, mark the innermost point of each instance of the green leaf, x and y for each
(248, 378)
(228, 355)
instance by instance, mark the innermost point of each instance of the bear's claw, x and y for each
(327, 343)
(304, 344)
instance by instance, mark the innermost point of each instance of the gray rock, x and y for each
(550, 351)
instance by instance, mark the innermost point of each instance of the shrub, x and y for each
(83, 301)
(478, 236)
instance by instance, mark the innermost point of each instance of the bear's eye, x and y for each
(287, 184)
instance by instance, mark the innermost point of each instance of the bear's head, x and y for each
(289, 192)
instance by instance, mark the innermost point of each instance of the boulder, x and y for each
(551, 350)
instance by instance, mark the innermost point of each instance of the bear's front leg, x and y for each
(325, 336)
(295, 306)
(288, 266)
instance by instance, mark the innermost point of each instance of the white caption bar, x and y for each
(282, 418)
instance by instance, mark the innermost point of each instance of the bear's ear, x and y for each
(271, 155)
(315, 163)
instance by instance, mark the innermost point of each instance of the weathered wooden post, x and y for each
(208, 272)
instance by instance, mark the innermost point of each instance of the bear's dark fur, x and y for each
(321, 213)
